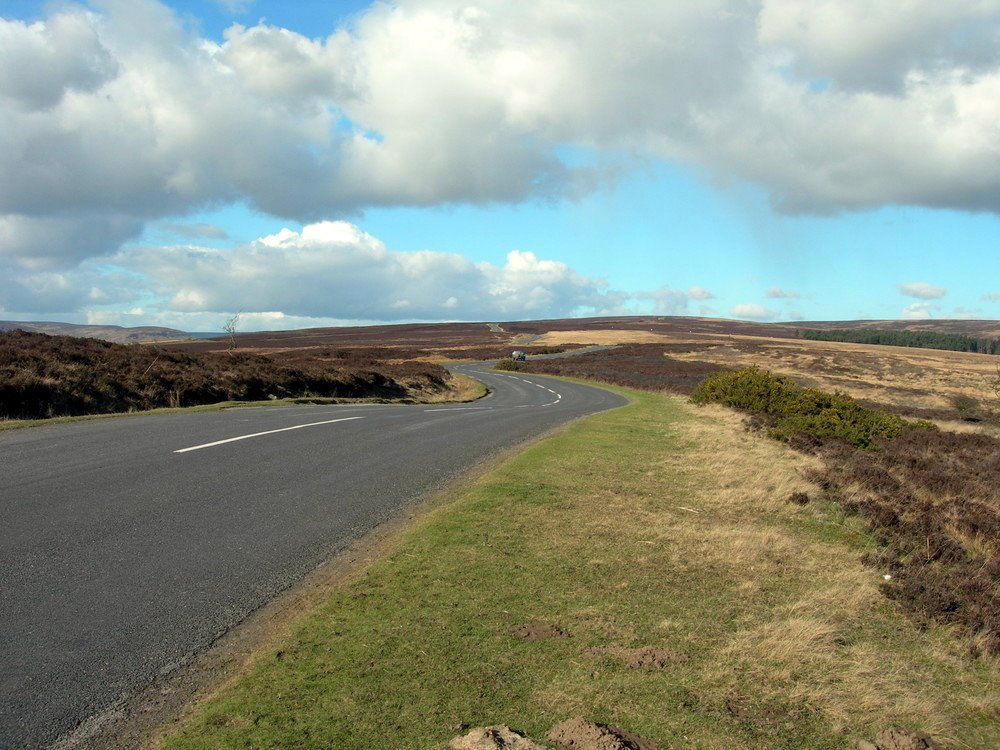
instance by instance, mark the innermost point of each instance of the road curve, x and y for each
(127, 545)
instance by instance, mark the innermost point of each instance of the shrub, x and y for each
(508, 365)
(794, 410)
(966, 406)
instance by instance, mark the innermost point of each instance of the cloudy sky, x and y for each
(315, 163)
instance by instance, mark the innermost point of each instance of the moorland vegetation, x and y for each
(927, 496)
(49, 376)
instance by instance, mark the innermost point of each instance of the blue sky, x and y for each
(432, 165)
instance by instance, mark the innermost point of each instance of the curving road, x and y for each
(126, 545)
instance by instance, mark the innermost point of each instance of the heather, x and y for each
(47, 376)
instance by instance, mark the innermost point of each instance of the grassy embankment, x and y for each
(660, 524)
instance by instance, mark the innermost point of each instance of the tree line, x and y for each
(919, 339)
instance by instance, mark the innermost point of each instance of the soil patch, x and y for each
(538, 632)
(581, 734)
(493, 738)
(895, 738)
(645, 657)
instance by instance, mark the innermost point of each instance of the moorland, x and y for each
(806, 562)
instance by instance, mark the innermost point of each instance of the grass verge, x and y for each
(656, 525)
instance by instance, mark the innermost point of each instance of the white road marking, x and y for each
(462, 408)
(259, 434)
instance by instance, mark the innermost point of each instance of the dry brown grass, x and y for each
(916, 378)
(816, 634)
(461, 388)
(816, 647)
(601, 337)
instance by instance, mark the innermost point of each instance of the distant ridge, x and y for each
(413, 333)
(116, 334)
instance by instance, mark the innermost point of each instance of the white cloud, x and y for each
(667, 301)
(922, 290)
(859, 44)
(753, 311)
(994, 296)
(336, 270)
(918, 311)
(41, 62)
(123, 116)
(699, 293)
(776, 292)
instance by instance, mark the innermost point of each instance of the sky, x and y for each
(335, 163)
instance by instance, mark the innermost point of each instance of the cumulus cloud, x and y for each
(753, 311)
(195, 231)
(839, 105)
(776, 292)
(42, 62)
(861, 45)
(27, 241)
(700, 293)
(918, 311)
(922, 290)
(336, 270)
(667, 301)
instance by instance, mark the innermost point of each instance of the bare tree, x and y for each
(230, 328)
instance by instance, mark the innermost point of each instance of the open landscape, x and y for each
(833, 554)
(485, 375)
(659, 569)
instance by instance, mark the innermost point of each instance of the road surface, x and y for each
(129, 544)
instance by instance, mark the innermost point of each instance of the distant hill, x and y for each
(974, 328)
(437, 335)
(115, 334)
(683, 324)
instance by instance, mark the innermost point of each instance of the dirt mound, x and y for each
(535, 632)
(492, 738)
(581, 734)
(645, 657)
(895, 738)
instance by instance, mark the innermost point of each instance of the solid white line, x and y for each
(462, 408)
(258, 434)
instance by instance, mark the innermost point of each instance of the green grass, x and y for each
(655, 524)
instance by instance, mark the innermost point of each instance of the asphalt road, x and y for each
(127, 545)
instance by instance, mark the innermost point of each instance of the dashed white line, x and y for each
(259, 434)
